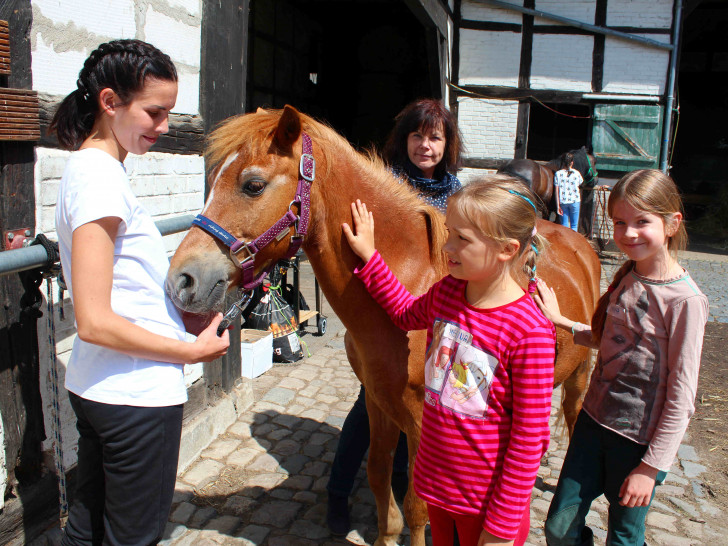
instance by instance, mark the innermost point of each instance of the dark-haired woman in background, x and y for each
(422, 149)
(125, 375)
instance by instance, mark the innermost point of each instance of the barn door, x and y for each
(627, 136)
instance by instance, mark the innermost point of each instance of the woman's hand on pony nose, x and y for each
(361, 238)
(209, 345)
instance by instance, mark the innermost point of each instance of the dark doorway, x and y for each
(700, 153)
(353, 63)
(557, 128)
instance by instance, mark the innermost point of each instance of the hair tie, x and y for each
(532, 285)
(534, 231)
(519, 194)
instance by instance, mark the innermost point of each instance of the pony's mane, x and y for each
(251, 134)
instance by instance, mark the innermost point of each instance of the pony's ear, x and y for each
(289, 129)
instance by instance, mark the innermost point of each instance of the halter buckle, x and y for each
(246, 248)
(307, 160)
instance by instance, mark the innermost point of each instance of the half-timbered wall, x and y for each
(501, 49)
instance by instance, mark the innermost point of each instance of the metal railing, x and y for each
(22, 259)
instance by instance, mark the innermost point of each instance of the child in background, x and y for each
(566, 192)
(478, 455)
(648, 328)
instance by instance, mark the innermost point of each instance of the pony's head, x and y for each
(256, 160)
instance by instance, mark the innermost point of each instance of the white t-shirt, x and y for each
(568, 182)
(94, 186)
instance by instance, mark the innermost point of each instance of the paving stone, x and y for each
(307, 497)
(203, 472)
(309, 530)
(201, 517)
(264, 429)
(238, 505)
(276, 513)
(265, 482)
(315, 468)
(319, 438)
(240, 429)
(314, 414)
(669, 491)
(541, 506)
(220, 449)
(291, 540)
(292, 383)
(673, 478)
(281, 494)
(312, 451)
(299, 483)
(688, 453)
(173, 531)
(278, 395)
(182, 512)
(698, 488)
(223, 524)
(692, 470)
(709, 509)
(662, 507)
(685, 506)
(242, 457)
(182, 492)
(661, 521)
(264, 463)
(278, 434)
(286, 447)
(293, 464)
(662, 538)
(253, 535)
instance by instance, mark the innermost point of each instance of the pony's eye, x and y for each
(254, 186)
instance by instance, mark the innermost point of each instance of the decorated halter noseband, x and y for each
(242, 253)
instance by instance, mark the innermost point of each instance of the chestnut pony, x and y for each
(256, 158)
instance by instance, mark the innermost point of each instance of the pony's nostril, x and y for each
(185, 281)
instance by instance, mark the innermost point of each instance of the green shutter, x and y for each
(627, 136)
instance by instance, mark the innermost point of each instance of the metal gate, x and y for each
(627, 136)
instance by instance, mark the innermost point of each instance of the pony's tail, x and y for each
(73, 120)
(600, 314)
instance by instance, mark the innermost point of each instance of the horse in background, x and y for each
(539, 176)
(256, 162)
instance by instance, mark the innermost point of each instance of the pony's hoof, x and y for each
(337, 515)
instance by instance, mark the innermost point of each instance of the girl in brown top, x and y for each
(648, 328)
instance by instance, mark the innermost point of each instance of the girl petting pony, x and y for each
(478, 454)
(648, 328)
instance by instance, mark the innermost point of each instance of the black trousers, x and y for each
(127, 468)
(353, 445)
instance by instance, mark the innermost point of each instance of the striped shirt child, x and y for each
(488, 385)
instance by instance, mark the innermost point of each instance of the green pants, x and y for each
(597, 461)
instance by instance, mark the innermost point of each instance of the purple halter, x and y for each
(307, 173)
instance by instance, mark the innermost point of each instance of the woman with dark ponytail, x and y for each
(125, 375)
(648, 328)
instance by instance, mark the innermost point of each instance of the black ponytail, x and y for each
(121, 65)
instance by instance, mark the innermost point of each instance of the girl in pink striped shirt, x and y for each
(489, 364)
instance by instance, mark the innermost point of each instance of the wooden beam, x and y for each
(521, 93)
(186, 133)
(484, 163)
(600, 19)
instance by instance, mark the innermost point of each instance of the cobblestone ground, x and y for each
(263, 481)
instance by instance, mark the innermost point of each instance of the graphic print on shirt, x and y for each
(628, 368)
(457, 371)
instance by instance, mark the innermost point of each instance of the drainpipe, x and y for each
(670, 91)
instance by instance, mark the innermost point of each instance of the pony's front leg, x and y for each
(415, 509)
(574, 390)
(384, 435)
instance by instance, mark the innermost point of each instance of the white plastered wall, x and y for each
(560, 62)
